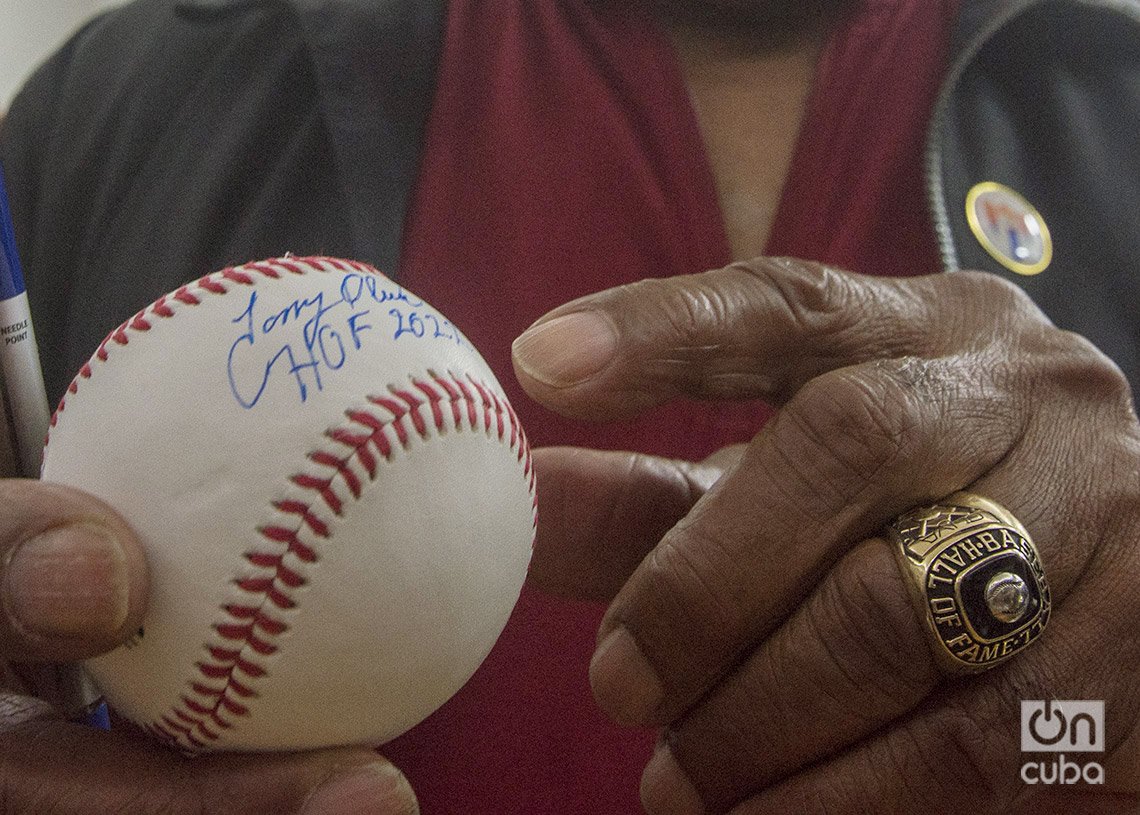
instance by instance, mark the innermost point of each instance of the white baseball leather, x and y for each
(336, 501)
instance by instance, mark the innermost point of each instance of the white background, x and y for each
(31, 29)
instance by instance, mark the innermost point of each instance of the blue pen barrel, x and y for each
(19, 354)
(27, 406)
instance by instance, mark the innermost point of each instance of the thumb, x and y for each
(601, 512)
(55, 766)
(619, 352)
(73, 579)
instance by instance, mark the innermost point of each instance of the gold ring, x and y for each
(976, 579)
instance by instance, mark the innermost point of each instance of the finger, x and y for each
(850, 451)
(73, 579)
(9, 463)
(854, 659)
(603, 511)
(54, 766)
(961, 752)
(757, 329)
(851, 659)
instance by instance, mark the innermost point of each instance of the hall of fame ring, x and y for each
(976, 578)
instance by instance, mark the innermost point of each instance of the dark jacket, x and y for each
(117, 200)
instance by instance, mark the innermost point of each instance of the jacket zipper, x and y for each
(934, 186)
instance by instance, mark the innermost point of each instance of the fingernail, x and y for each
(666, 789)
(374, 789)
(624, 684)
(69, 581)
(567, 350)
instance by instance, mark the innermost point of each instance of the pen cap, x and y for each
(11, 275)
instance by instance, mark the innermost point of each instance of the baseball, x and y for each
(336, 500)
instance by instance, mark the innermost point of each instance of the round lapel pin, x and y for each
(1009, 228)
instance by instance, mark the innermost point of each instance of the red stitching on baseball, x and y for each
(161, 309)
(294, 268)
(211, 285)
(327, 459)
(485, 401)
(315, 524)
(248, 630)
(241, 690)
(413, 410)
(248, 625)
(435, 401)
(323, 486)
(238, 276)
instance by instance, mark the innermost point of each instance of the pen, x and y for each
(25, 395)
(24, 390)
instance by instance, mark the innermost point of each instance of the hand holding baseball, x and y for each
(75, 585)
(763, 622)
(323, 569)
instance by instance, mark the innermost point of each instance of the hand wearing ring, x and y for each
(761, 619)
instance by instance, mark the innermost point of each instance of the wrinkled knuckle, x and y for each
(690, 334)
(962, 757)
(847, 430)
(816, 297)
(1064, 356)
(178, 793)
(721, 749)
(702, 307)
(192, 793)
(41, 771)
(18, 710)
(1077, 366)
(910, 373)
(696, 309)
(871, 630)
(688, 582)
(995, 295)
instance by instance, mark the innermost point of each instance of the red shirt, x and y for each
(563, 157)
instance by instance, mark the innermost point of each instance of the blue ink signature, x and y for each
(313, 336)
